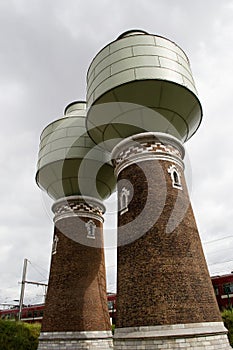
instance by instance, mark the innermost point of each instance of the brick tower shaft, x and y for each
(162, 278)
(76, 303)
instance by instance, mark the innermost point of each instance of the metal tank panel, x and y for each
(147, 70)
(69, 161)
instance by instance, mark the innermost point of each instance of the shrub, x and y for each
(227, 316)
(18, 335)
(113, 328)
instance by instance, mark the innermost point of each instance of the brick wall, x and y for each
(162, 276)
(76, 298)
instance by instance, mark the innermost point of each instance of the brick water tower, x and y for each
(77, 174)
(143, 107)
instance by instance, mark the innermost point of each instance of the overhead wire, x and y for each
(33, 265)
(218, 239)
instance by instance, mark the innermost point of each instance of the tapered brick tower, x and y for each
(143, 107)
(77, 175)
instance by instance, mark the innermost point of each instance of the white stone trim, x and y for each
(193, 336)
(81, 215)
(175, 330)
(76, 335)
(96, 340)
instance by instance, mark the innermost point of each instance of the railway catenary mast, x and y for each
(143, 106)
(77, 175)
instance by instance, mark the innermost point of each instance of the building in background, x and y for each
(223, 287)
(222, 284)
(34, 313)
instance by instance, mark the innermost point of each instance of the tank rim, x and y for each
(188, 137)
(73, 103)
(111, 190)
(125, 34)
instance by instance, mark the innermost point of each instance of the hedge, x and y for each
(18, 335)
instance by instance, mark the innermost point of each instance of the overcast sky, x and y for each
(46, 47)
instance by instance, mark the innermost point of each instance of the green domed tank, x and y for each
(141, 82)
(69, 161)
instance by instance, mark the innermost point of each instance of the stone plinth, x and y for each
(196, 336)
(76, 341)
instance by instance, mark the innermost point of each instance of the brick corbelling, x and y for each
(149, 145)
(78, 206)
(148, 148)
(76, 297)
(162, 277)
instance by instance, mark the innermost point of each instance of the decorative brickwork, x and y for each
(147, 146)
(162, 276)
(76, 299)
(78, 206)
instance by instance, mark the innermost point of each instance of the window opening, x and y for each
(175, 176)
(124, 200)
(91, 227)
(54, 247)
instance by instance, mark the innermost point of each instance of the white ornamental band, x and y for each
(81, 206)
(147, 146)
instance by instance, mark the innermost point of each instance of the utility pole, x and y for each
(23, 283)
(22, 287)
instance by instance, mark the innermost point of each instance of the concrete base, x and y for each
(198, 336)
(76, 341)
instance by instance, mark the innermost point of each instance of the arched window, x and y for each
(54, 247)
(90, 225)
(124, 200)
(175, 176)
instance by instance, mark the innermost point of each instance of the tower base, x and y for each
(101, 340)
(198, 336)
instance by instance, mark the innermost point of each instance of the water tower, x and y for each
(78, 175)
(143, 106)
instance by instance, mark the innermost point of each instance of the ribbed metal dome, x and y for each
(69, 161)
(141, 71)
